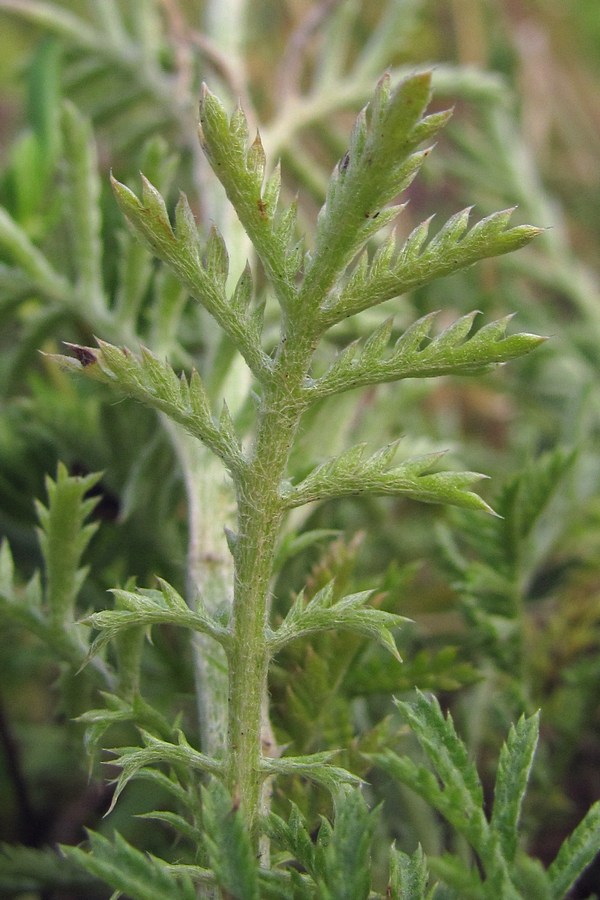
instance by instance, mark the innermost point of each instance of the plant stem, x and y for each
(209, 577)
(249, 658)
(210, 498)
(260, 514)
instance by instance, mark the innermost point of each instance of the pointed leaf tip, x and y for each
(125, 196)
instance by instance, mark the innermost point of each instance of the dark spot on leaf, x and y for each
(85, 356)
(262, 208)
(345, 162)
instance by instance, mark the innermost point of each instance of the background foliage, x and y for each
(506, 611)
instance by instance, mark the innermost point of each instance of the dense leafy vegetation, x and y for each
(258, 420)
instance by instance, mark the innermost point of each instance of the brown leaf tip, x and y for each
(85, 355)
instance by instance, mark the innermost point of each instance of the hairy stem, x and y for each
(209, 577)
(260, 515)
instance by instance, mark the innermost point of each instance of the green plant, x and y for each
(218, 798)
(380, 163)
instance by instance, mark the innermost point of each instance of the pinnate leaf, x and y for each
(241, 170)
(418, 263)
(325, 612)
(179, 249)
(146, 608)
(514, 766)
(154, 383)
(315, 767)
(379, 164)
(128, 871)
(576, 853)
(416, 354)
(446, 751)
(63, 537)
(133, 760)
(354, 473)
(455, 791)
(294, 836)
(408, 875)
(345, 863)
(228, 844)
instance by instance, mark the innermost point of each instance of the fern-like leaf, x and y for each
(417, 355)
(228, 844)
(576, 853)
(293, 836)
(149, 607)
(325, 612)
(128, 871)
(457, 794)
(240, 170)
(133, 760)
(24, 869)
(450, 251)
(408, 875)
(353, 473)
(179, 248)
(154, 383)
(454, 789)
(315, 767)
(116, 710)
(379, 164)
(516, 759)
(63, 538)
(345, 864)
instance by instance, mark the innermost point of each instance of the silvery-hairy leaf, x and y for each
(353, 473)
(324, 612)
